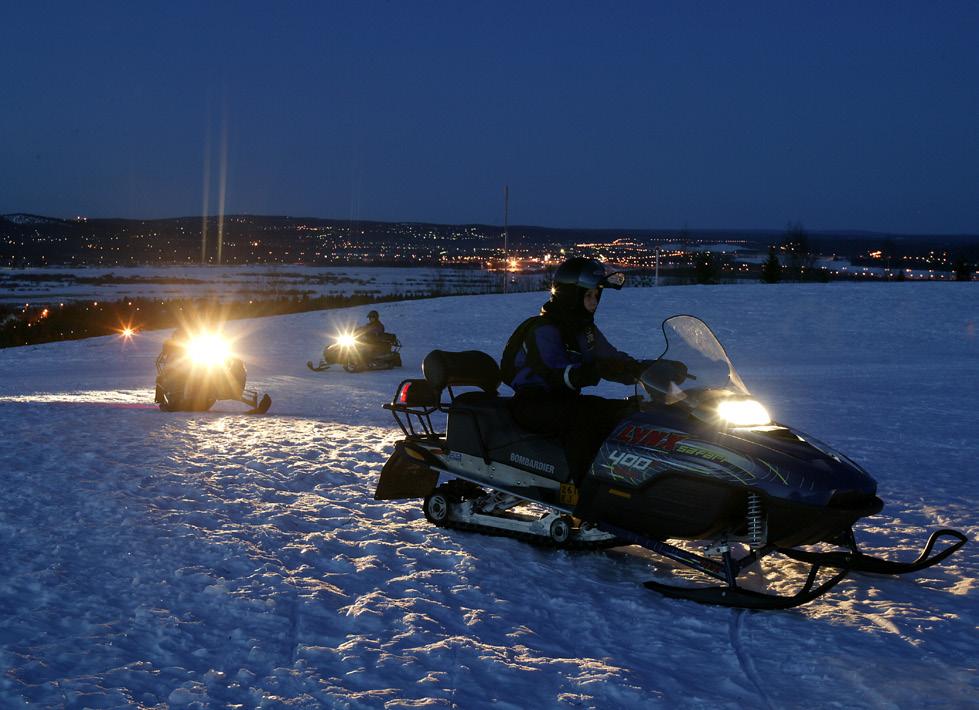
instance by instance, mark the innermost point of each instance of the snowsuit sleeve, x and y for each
(544, 363)
(613, 364)
(550, 359)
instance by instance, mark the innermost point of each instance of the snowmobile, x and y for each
(698, 473)
(356, 354)
(192, 373)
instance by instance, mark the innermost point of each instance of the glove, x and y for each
(638, 367)
(584, 375)
(663, 372)
(618, 370)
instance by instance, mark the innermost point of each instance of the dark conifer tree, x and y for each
(962, 269)
(705, 269)
(771, 270)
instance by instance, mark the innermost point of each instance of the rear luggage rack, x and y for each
(416, 400)
(414, 403)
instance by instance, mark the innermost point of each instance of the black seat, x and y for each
(480, 424)
(469, 368)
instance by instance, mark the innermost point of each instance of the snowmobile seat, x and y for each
(469, 368)
(480, 424)
(382, 342)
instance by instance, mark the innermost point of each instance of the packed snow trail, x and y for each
(215, 559)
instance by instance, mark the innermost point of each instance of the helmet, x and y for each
(576, 276)
(373, 315)
(587, 274)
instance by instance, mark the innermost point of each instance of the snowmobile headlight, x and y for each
(208, 349)
(346, 340)
(743, 412)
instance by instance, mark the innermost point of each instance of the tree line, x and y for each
(35, 324)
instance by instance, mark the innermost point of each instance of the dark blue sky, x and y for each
(650, 114)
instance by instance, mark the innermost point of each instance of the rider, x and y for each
(373, 327)
(370, 333)
(172, 353)
(173, 347)
(551, 357)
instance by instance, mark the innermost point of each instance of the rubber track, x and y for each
(538, 540)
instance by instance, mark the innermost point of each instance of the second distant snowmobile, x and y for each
(193, 372)
(355, 353)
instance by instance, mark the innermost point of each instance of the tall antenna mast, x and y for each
(506, 252)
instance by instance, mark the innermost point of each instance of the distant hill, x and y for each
(28, 239)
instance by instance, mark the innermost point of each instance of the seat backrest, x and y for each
(469, 368)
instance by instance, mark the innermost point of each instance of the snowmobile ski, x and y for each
(857, 561)
(261, 407)
(736, 596)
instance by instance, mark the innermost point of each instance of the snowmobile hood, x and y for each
(775, 460)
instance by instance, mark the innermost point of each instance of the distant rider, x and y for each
(372, 333)
(551, 357)
(372, 329)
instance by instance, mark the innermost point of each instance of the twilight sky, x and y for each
(838, 115)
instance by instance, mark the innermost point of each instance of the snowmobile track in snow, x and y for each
(744, 658)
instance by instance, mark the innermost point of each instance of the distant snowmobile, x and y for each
(193, 372)
(698, 463)
(382, 352)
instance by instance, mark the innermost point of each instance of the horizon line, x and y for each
(761, 230)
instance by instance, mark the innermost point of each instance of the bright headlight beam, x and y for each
(743, 412)
(346, 340)
(208, 349)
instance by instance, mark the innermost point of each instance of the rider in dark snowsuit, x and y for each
(550, 357)
(371, 335)
(373, 328)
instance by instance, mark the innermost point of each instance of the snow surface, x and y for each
(219, 560)
(237, 282)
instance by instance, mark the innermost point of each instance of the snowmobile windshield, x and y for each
(710, 373)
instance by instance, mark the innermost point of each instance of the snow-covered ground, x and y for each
(220, 560)
(53, 284)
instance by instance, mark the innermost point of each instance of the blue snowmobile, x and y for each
(698, 461)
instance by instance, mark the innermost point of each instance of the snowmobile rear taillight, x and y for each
(416, 393)
(403, 393)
